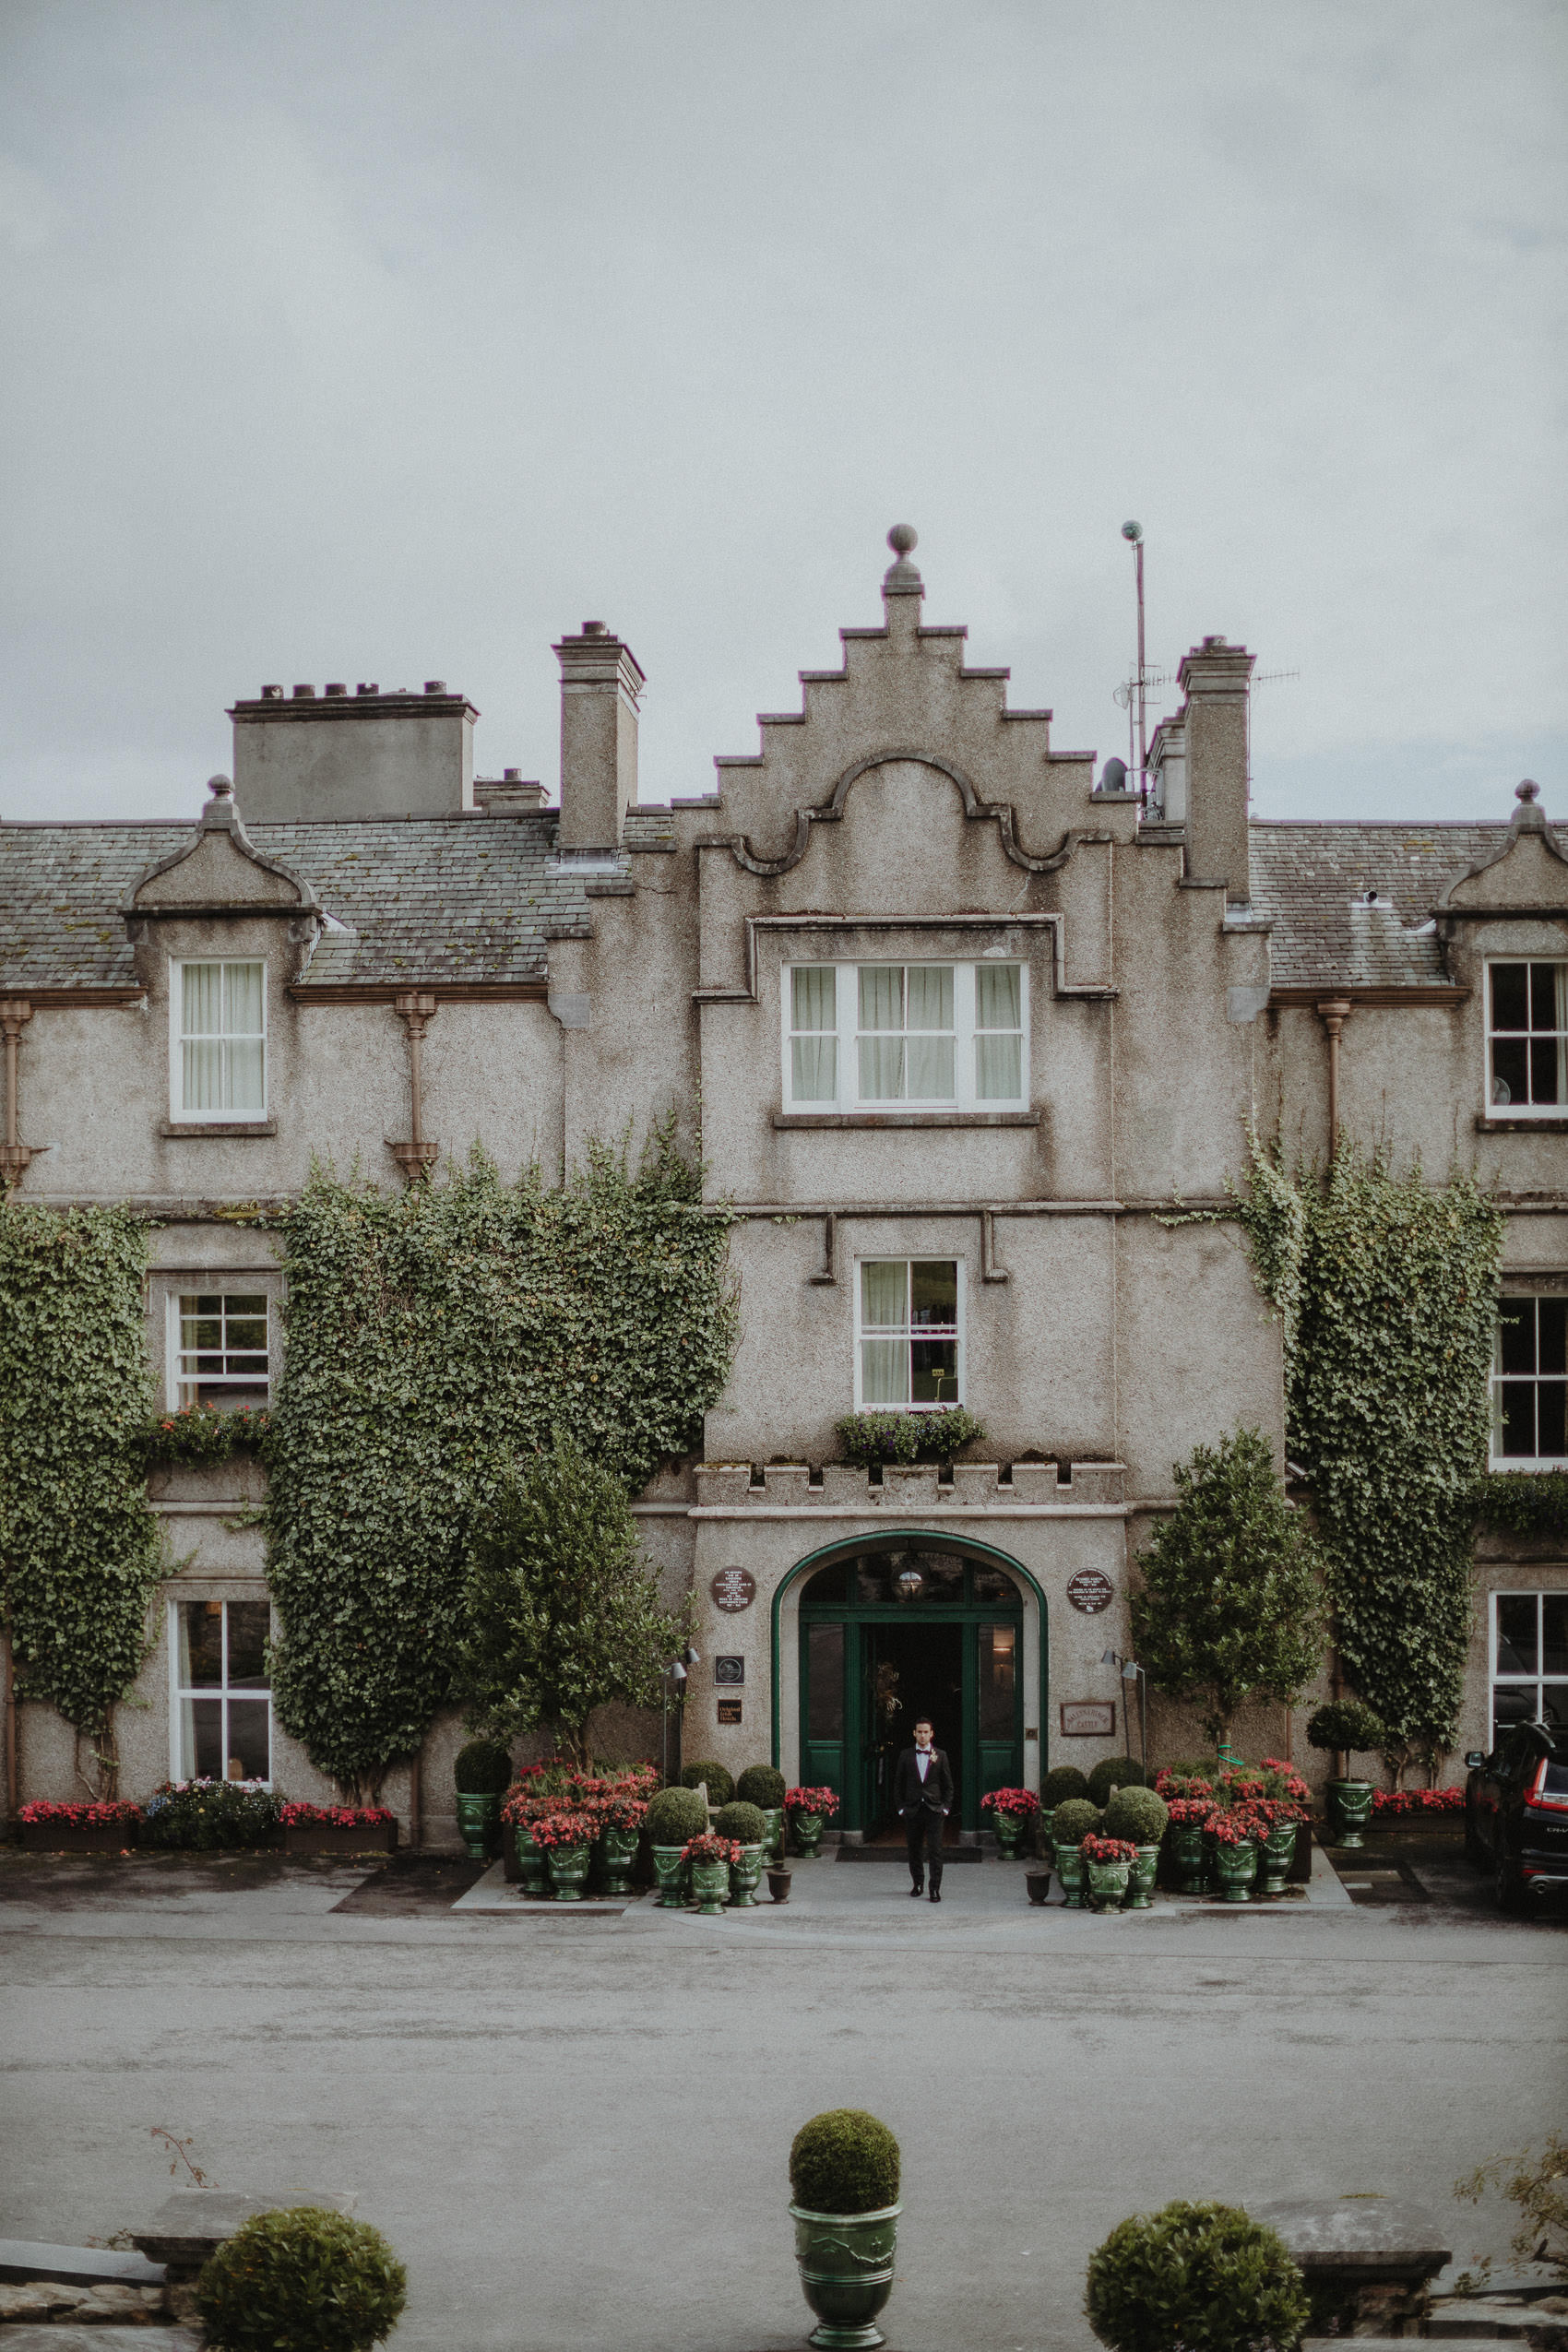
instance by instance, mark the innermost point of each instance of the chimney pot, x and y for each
(435, 685)
(511, 775)
(336, 687)
(304, 694)
(593, 629)
(362, 689)
(272, 693)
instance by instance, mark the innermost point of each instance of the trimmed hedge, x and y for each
(720, 1786)
(675, 1816)
(313, 2280)
(1060, 1783)
(1115, 1772)
(761, 1784)
(844, 2161)
(1137, 1814)
(482, 1769)
(1205, 2277)
(743, 1822)
(1073, 1820)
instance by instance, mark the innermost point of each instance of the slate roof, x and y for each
(461, 898)
(1308, 877)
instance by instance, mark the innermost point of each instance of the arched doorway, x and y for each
(896, 1626)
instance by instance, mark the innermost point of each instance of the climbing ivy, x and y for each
(1386, 1289)
(1526, 1503)
(433, 1336)
(80, 1550)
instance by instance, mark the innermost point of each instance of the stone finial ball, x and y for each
(902, 537)
(219, 787)
(1527, 791)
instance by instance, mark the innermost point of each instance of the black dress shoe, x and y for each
(915, 1893)
(936, 1896)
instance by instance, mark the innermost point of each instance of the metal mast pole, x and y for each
(1143, 730)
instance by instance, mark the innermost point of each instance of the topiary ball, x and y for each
(1115, 1772)
(1350, 1724)
(1061, 1782)
(720, 1787)
(674, 1816)
(761, 1784)
(1137, 1814)
(1073, 1820)
(744, 1824)
(1205, 2277)
(482, 1769)
(844, 2162)
(314, 2280)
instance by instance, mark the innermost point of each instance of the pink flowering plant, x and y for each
(1238, 1824)
(1107, 1849)
(1174, 1784)
(810, 1801)
(553, 1831)
(1022, 1803)
(1395, 1802)
(1187, 1810)
(709, 1848)
(100, 1812)
(298, 1815)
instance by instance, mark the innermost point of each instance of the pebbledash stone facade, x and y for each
(968, 1024)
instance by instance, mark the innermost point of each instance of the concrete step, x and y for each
(24, 2258)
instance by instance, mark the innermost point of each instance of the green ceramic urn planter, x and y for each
(1187, 1854)
(808, 1828)
(1070, 1871)
(1106, 1884)
(743, 1877)
(846, 2265)
(710, 1884)
(773, 1845)
(1350, 1808)
(531, 1866)
(478, 1818)
(1235, 1867)
(618, 1851)
(568, 1871)
(669, 1869)
(1006, 1826)
(1274, 1857)
(1140, 1879)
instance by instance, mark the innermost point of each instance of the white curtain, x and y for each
(881, 1007)
(201, 1025)
(245, 1087)
(998, 1059)
(885, 1306)
(814, 1055)
(1563, 1033)
(930, 1008)
(222, 1049)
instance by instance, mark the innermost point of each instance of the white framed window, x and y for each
(934, 1037)
(218, 1040)
(1529, 1657)
(1527, 1038)
(221, 1715)
(220, 1348)
(908, 1333)
(1530, 1384)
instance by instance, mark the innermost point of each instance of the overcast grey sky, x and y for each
(372, 340)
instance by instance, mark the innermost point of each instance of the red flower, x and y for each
(1107, 1849)
(810, 1801)
(1020, 1802)
(709, 1848)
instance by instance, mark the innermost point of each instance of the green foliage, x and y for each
(742, 1822)
(1386, 1288)
(675, 1816)
(482, 1768)
(761, 1784)
(1138, 1814)
(435, 1335)
(80, 1550)
(562, 1614)
(1114, 1772)
(1204, 2277)
(1230, 1608)
(202, 1815)
(199, 1434)
(307, 2279)
(720, 1787)
(1060, 1783)
(1075, 1819)
(1347, 1723)
(1527, 1502)
(844, 2162)
(1538, 2186)
(906, 1437)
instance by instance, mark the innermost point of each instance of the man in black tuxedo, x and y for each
(923, 1793)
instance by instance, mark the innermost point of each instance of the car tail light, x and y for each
(1550, 1786)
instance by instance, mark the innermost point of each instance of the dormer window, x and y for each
(219, 1041)
(1527, 1037)
(926, 1037)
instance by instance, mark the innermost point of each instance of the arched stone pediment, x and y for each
(997, 812)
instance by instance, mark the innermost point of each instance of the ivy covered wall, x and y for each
(431, 1335)
(80, 1551)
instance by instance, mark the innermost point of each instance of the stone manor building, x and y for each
(967, 1020)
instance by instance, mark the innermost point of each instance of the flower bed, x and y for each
(205, 1815)
(337, 1829)
(1398, 1804)
(199, 1434)
(102, 1826)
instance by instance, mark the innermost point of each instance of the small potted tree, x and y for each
(1060, 1783)
(483, 1774)
(1112, 1772)
(1205, 2277)
(1073, 1820)
(844, 2204)
(762, 1785)
(674, 1817)
(810, 1810)
(1140, 1817)
(1012, 1812)
(711, 1859)
(746, 1829)
(1347, 1728)
(302, 2276)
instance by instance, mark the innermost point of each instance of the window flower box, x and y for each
(337, 1829)
(99, 1827)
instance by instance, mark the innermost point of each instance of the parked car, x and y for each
(1516, 1812)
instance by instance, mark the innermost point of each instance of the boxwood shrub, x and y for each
(1205, 2277)
(674, 1816)
(720, 1786)
(761, 1784)
(313, 2280)
(745, 1824)
(844, 2161)
(1115, 1772)
(1348, 1724)
(1073, 1820)
(202, 1815)
(482, 1769)
(1060, 1783)
(1138, 1814)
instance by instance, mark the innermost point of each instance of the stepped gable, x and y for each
(465, 900)
(1312, 880)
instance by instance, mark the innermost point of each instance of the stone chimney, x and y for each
(600, 685)
(1215, 681)
(364, 753)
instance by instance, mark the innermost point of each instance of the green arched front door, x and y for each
(896, 1628)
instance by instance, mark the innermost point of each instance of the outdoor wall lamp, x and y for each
(908, 1583)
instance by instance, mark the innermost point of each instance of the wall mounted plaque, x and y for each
(1088, 1718)
(733, 1588)
(1090, 1591)
(728, 1670)
(729, 1710)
